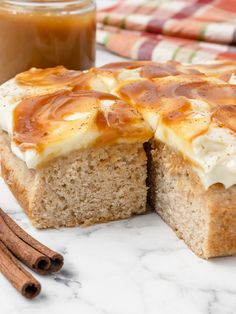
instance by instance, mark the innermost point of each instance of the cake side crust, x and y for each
(21, 184)
(205, 220)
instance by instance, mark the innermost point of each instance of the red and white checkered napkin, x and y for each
(189, 31)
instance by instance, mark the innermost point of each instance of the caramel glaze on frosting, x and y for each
(43, 120)
(172, 101)
(152, 69)
(149, 69)
(168, 88)
(56, 77)
(191, 108)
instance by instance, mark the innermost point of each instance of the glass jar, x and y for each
(45, 34)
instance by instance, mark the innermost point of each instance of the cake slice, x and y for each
(192, 157)
(71, 157)
(205, 218)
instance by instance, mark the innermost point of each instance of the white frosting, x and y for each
(32, 157)
(103, 83)
(232, 79)
(130, 74)
(11, 94)
(79, 140)
(151, 118)
(106, 104)
(8, 102)
(77, 116)
(213, 154)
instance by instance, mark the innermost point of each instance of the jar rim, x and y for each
(41, 2)
(49, 5)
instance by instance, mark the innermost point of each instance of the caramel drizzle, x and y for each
(151, 70)
(51, 77)
(40, 120)
(172, 100)
(37, 117)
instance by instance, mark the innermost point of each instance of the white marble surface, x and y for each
(136, 266)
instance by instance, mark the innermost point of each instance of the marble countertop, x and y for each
(135, 266)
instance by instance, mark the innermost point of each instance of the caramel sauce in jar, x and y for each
(45, 34)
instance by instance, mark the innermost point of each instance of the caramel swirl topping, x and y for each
(58, 76)
(43, 120)
(169, 99)
(221, 70)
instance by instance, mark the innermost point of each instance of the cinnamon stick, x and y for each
(22, 280)
(55, 259)
(27, 254)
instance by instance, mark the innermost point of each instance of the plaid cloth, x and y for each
(190, 31)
